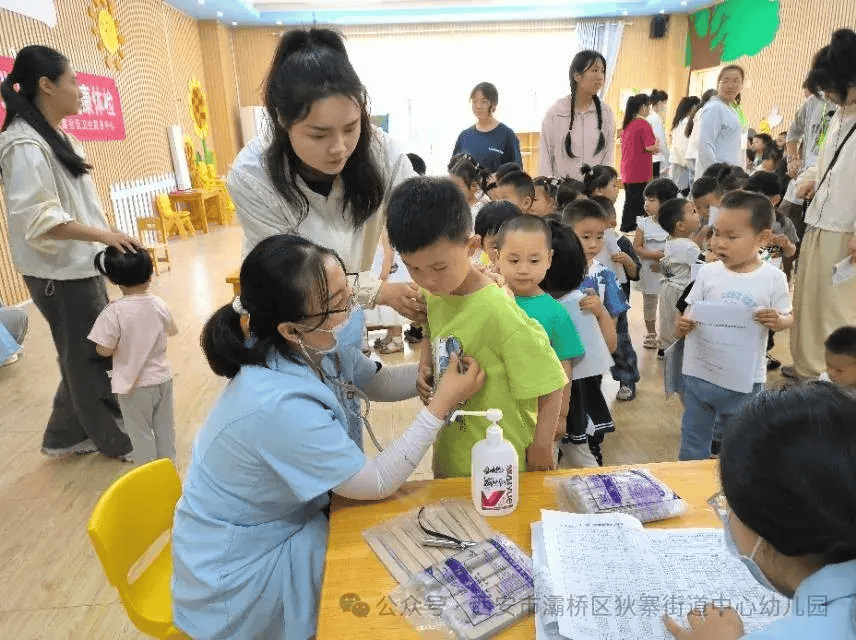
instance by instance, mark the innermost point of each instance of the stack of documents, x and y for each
(604, 577)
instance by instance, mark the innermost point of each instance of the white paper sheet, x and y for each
(843, 271)
(724, 346)
(616, 579)
(597, 359)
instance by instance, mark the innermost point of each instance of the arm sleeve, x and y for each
(457, 148)
(781, 298)
(709, 126)
(627, 247)
(380, 477)
(512, 149)
(532, 366)
(609, 135)
(260, 210)
(797, 128)
(546, 164)
(32, 196)
(105, 331)
(790, 231)
(392, 384)
(649, 138)
(566, 340)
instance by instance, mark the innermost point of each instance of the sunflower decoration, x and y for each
(199, 115)
(106, 28)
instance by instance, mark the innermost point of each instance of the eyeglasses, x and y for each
(353, 280)
(720, 506)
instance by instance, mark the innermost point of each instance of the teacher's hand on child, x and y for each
(457, 386)
(683, 327)
(714, 623)
(121, 241)
(405, 298)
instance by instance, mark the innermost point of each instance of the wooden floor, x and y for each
(51, 583)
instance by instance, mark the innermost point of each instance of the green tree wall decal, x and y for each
(735, 28)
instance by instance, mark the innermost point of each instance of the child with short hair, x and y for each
(429, 224)
(739, 277)
(525, 254)
(133, 331)
(649, 242)
(488, 222)
(841, 357)
(545, 196)
(706, 202)
(569, 189)
(589, 412)
(516, 187)
(625, 264)
(681, 221)
(601, 180)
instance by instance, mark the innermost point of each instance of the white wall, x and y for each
(403, 73)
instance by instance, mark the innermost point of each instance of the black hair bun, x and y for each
(586, 170)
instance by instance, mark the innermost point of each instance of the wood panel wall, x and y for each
(223, 93)
(162, 52)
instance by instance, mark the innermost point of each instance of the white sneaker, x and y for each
(81, 448)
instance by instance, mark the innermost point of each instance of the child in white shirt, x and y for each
(681, 220)
(740, 277)
(133, 330)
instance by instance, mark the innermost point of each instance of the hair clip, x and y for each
(238, 308)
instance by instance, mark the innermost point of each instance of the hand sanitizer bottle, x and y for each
(494, 470)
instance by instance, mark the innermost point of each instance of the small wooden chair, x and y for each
(153, 237)
(172, 219)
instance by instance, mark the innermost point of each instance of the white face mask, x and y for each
(341, 332)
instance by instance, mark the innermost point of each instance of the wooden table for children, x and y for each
(352, 567)
(204, 206)
(234, 279)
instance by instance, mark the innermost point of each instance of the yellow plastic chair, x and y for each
(128, 519)
(172, 219)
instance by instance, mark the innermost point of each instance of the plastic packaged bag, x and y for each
(472, 595)
(636, 492)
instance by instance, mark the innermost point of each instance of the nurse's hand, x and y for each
(714, 623)
(405, 298)
(456, 387)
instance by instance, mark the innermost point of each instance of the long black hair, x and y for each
(634, 106)
(279, 279)
(705, 98)
(310, 65)
(832, 68)
(581, 63)
(786, 468)
(32, 63)
(683, 109)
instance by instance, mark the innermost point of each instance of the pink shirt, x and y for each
(637, 165)
(136, 327)
(553, 161)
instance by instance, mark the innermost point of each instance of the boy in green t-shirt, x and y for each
(429, 222)
(525, 252)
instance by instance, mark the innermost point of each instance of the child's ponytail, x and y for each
(225, 345)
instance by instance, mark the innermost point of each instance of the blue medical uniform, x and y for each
(249, 537)
(835, 585)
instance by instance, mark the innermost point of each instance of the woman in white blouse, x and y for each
(820, 306)
(720, 131)
(56, 226)
(655, 119)
(322, 171)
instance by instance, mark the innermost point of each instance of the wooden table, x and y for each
(203, 205)
(234, 279)
(352, 567)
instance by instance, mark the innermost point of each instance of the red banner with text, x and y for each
(100, 116)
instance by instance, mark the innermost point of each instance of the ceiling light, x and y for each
(234, 24)
(662, 11)
(279, 22)
(219, 14)
(625, 12)
(200, 2)
(683, 3)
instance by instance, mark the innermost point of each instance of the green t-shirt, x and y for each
(519, 364)
(552, 315)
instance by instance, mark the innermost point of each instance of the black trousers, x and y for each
(634, 205)
(84, 405)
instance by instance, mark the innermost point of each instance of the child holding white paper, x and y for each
(619, 256)
(739, 277)
(589, 416)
